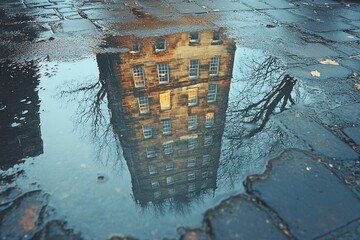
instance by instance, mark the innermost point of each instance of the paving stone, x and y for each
(339, 36)
(317, 137)
(239, 218)
(349, 112)
(223, 5)
(314, 50)
(284, 16)
(76, 25)
(188, 7)
(353, 133)
(353, 64)
(326, 72)
(326, 26)
(307, 196)
(256, 4)
(279, 4)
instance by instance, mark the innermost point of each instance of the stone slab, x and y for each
(256, 4)
(306, 195)
(325, 26)
(317, 137)
(349, 112)
(188, 7)
(353, 133)
(223, 5)
(339, 36)
(284, 16)
(239, 218)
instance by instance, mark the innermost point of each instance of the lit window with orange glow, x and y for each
(165, 101)
(209, 120)
(192, 96)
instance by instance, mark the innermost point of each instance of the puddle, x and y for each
(142, 142)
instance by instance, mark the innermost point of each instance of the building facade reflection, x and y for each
(168, 97)
(19, 113)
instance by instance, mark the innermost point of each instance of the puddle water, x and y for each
(144, 141)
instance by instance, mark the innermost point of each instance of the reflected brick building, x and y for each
(168, 96)
(20, 135)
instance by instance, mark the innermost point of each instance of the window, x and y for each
(168, 148)
(143, 104)
(212, 90)
(163, 73)
(194, 37)
(191, 143)
(150, 152)
(166, 126)
(155, 184)
(135, 48)
(170, 180)
(192, 122)
(216, 37)
(171, 191)
(160, 45)
(157, 194)
(191, 187)
(194, 69)
(191, 162)
(191, 176)
(206, 159)
(138, 76)
(152, 169)
(214, 66)
(204, 184)
(192, 96)
(208, 140)
(205, 174)
(209, 120)
(165, 102)
(147, 130)
(169, 166)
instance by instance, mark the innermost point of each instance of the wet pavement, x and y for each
(179, 119)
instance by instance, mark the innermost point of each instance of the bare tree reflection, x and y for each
(248, 136)
(92, 110)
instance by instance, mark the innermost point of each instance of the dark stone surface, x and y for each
(317, 137)
(349, 112)
(353, 133)
(240, 218)
(307, 196)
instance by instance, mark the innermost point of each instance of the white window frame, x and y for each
(212, 92)
(191, 176)
(165, 100)
(171, 191)
(192, 97)
(194, 37)
(147, 131)
(143, 104)
(206, 159)
(194, 68)
(205, 174)
(169, 166)
(163, 73)
(150, 152)
(168, 148)
(192, 122)
(170, 180)
(216, 37)
(208, 140)
(191, 162)
(138, 76)
(192, 142)
(136, 48)
(153, 169)
(214, 66)
(209, 119)
(157, 43)
(166, 126)
(191, 187)
(155, 184)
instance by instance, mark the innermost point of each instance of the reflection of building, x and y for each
(168, 97)
(20, 135)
